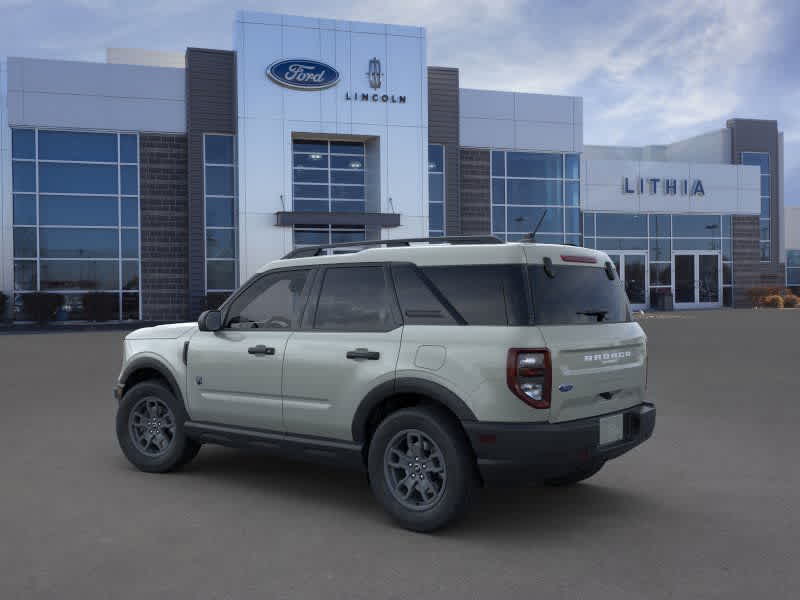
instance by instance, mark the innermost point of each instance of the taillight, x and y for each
(529, 375)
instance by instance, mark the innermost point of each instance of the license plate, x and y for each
(611, 429)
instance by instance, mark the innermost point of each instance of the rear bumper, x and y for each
(537, 451)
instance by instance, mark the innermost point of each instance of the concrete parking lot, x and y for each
(707, 509)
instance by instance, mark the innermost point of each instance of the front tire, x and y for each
(150, 431)
(421, 468)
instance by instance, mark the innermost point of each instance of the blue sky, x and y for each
(649, 72)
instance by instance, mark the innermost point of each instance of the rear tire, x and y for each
(150, 431)
(421, 468)
(575, 476)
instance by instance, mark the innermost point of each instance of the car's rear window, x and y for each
(573, 294)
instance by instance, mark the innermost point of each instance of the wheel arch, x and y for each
(145, 368)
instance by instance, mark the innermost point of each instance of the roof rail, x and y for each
(453, 239)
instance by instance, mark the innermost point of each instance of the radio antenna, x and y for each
(531, 237)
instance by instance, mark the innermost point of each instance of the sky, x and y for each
(649, 72)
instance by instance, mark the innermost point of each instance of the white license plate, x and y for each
(611, 429)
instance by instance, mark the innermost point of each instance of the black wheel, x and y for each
(576, 476)
(421, 468)
(150, 429)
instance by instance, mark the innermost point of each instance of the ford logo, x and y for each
(303, 74)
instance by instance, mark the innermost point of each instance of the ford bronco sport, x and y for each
(434, 367)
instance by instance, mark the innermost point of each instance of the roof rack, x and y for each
(453, 239)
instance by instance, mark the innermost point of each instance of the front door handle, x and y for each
(363, 353)
(261, 349)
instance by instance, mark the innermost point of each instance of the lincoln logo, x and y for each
(374, 74)
(606, 356)
(301, 74)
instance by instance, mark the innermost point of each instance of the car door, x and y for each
(349, 344)
(235, 374)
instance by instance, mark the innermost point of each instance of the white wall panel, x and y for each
(486, 104)
(539, 135)
(486, 133)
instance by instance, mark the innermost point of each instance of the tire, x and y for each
(576, 476)
(150, 409)
(433, 468)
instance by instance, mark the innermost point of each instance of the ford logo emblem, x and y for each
(565, 387)
(303, 74)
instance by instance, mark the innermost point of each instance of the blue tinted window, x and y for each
(220, 274)
(759, 159)
(573, 239)
(23, 176)
(130, 243)
(529, 164)
(311, 237)
(338, 162)
(73, 145)
(24, 275)
(572, 220)
(312, 175)
(660, 249)
(311, 205)
(727, 249)
(220, 243)
(435, 158)
(310, 191)
(24, 209)
(793, 258)
(498, 163)
(128, 149)
(573, 166)
(498, 191)
(696, 225)
(522, 191)
(78, 243)
(320, 161)
(355, 177)
(727, 226)
(80, 275)
(572, 189)
(695, 244)
(348, 206)
(765, 208)
(625, 225)
(523, 219)
(25, 242)
(310, 146)
(347, 148)
(764, 229)
(621, 244)
(77, 210)
(129, 183)
(588, 224)
(436, 217)
(219, 212)
(766, 251)
(23, 143)
(130, 275)
(436, 187)
(130, 212)
(765, 185)
(219, 181)
(77, 179)
(660, 226)
(351, 192)
(498, 218)
(219, 149)
(338, 237)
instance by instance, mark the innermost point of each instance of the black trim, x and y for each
(308, 251)
(322, 450)
(146, 362)
(536, 451)
(406, 385)
(290, 218)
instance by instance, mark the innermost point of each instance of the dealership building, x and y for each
(168, 179)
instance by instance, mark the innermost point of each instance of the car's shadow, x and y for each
(506, 510)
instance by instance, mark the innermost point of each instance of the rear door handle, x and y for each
(261, 349)
(363, 353)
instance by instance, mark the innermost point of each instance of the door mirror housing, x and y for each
(210, 320)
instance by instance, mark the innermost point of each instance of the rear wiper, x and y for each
(600, 314)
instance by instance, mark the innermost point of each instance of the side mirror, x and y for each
(210, 320)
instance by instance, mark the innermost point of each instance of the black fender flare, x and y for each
(407, 385)
(148, 362)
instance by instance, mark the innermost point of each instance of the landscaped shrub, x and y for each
(773, 301)
(41, 306)
(790, 301)
(99, 306)
(758, 295)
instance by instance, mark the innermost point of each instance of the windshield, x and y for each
(567, 295)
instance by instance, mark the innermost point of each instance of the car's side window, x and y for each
(271, 302)
(419, 304)
(354, 299)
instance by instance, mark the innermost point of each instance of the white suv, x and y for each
(435, 367)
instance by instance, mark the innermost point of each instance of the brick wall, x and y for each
(165, 227)
(748, 271)
(476, 216)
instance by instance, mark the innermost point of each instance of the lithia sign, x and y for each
(306, 74)
(667, 186)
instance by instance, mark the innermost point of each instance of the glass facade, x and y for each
(761, 160)
(436, 192)
(528, 187)
(219, 159)
(793, 268)
(328, 176)
(76, 219)
(659, 236)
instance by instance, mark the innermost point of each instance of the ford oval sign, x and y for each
(303, 74)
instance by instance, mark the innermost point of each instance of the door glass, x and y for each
(635, 278)
(271, 302)
(684, 278)
(709, 277)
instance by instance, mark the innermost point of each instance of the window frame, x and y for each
(235, 201)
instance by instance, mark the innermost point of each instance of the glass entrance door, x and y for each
(696, 279)
(632, 269)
